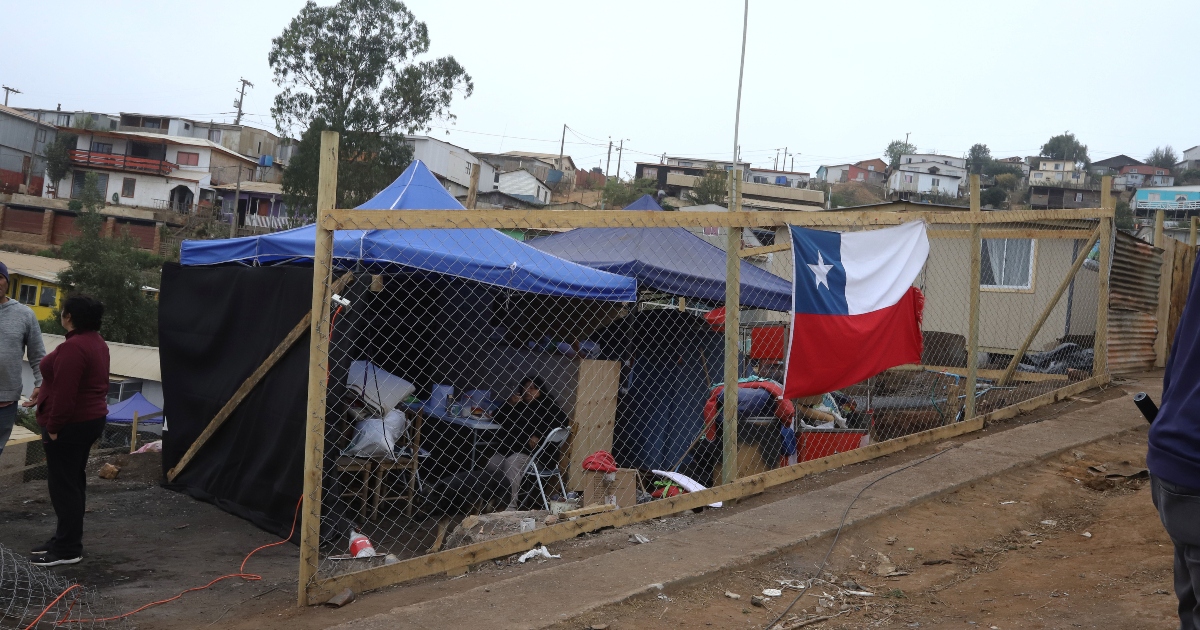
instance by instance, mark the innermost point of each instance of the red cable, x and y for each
(249, 577)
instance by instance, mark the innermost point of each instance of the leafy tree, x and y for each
(1123, 218)
(58, 157)
(1162, 157)
(895, 149)
(351, 68)
(1008, 181)
(996, 168)
(979, 158)
(1190, 176)
(994, 197)
(108, 270)
(619, 193)
(711, 189)
(1066, 147)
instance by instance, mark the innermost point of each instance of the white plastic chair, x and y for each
(556, 438)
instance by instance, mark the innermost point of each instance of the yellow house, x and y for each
(33, 281)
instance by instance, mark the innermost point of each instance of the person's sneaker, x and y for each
(41, 549)
(51, 559)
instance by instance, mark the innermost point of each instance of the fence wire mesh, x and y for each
(34, 598)
(472, 375)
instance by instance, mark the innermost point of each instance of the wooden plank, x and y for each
(588, 510)
(1028, 377)
(733, 305)
(1181, 280)
(1026, 406)
(431, 564)
(1192, 225)
(473, 191)
(1163, 314)
(1037, 326)
(1100, 362)
(318, 366)
(973, 280)
(544, 219)
(1159, 217)
(1043, 234)
(765, 249)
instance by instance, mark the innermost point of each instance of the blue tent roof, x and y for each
(483, 255)
(123, 411)
(645, 202)
(672, 260)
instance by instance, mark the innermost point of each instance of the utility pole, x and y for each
(620, 151)
(561, 145)
(238, 105)
(906, 136)
(608, 160)
(237, 197)
(6, 91)
(783, 165)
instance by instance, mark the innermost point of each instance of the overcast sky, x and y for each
(831, 81)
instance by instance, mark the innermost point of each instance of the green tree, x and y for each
(895, 149)
(1008, 181)
(711, 189)
(1190, 176)
(619, 193)
(58, 157)
(107, 269)
(351, 68)
(1162, 157)
(994, 197)
(1066, 146)
(979, 158)
(1123, 218)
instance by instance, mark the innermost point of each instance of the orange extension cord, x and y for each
(249, 577)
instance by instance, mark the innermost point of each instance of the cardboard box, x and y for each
(619, 488)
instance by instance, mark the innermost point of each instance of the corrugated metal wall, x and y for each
(1133, 305)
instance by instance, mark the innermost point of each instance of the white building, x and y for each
(833, 173)
(926, 162)
(1052, 172)
(452, 165)
(151, 170)
(924, 182)
(791, 179)
(523, 185)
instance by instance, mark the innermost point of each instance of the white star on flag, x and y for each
(821, 271)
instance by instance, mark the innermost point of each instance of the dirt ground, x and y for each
(145, 543)
(1053, 546)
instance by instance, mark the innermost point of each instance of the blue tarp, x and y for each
(123, 411)
(645, 202)
(672, 260)
(483, 255)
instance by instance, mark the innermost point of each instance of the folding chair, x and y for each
(556, 438)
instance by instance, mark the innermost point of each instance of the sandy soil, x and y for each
(983, 557)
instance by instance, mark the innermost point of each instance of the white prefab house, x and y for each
(922, 182)
(523, 185)
(452, 164)
(151, 170)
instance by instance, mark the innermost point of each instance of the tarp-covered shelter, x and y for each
(449, 303)
(671, 260)
(122, 412)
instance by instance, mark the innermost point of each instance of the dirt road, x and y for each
(1053, 546)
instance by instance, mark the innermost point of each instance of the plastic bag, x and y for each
(376, 437)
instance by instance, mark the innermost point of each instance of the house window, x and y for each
(759, 179)
(1074, 175)
(101, 147)
(870, 167)
(1078, 197)
(650, 173)
(28, 294)
(214, 135)
(63, 120)
(1153, 197)
(685, 163)
(41, 135)
(1058, 166)
(49, 296)
(936, 182)
(1158, 173)
(187, 126)
(188, 159)
(1007, 263)
(1181, 198)
(908, 160)
(127, 186)
(908, 179)
(1037, 175)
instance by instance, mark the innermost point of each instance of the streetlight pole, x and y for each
(737, 116)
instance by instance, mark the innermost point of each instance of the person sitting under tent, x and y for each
(526, 418)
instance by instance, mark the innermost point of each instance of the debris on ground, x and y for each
(109, 471)
(341, 599)
(537, 552)
(638, 539)
(732, 595)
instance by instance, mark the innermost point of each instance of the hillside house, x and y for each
(834, 173)
(927, 174)
(23, 141)
(1138, 175)
(1052, 172)
(1191, 159)
(791, 179)
(452, 164)
(259, 205)
(1058, 197)
(876, 170)
(523, 185)
(1179, 203)
(564, 179)
(59, 118)
(1016, 162)
(33, 281)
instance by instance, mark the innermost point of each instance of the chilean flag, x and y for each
(855, 311)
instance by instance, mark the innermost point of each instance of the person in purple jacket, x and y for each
(1174, 457)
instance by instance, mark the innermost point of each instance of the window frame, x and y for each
(129, 183)
(1004, 288)
(52, 290)
(21, 294)
(41, 135)
(193, 157)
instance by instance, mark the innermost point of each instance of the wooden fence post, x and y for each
(318, 362)
(1100, 345)
(733, 299)
(973, 288)
(1192, 231)
(474, 191)
(1159, 220)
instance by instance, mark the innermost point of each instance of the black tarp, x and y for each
(216, 325)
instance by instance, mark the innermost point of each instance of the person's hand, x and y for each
(32, 398)
(533, 441)
(53, 436)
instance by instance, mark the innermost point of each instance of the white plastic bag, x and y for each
(382, 390)
(376, 437)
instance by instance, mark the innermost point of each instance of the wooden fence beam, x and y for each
(1100, 345)
(733, 305)
(975, 272)
(765, 249)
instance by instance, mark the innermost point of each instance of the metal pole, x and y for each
(737, 116)
(620, 152)
(561, 145)
(608, 160)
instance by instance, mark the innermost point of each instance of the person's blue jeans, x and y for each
(1179, 509)
(8, 416)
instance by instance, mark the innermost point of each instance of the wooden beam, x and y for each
(1027, 377)
(733, 305)
(318, 366)
(543, 219)
(765, 249)
(973, 279)
(1037, 326)
(431, 564)
(1163, 314)
(1063, 393)
(247, 386)
(473, 192)
(1192, 231)
(1100, 346)
(1158, 228)
(1065, 234)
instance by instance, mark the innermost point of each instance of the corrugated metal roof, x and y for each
(1133, 304)
(124, 359)
(30, 266)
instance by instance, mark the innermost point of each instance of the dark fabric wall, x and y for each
(216, 325)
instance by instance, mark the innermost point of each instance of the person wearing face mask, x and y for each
(525, 419)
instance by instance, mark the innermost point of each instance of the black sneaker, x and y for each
(41, 549)
(51, 559)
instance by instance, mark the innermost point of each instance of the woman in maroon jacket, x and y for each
(71, 409)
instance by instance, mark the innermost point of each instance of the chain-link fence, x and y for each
(35, 598)
(469, 388)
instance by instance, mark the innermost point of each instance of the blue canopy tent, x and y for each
(482, 255)
(122, 412)
(672, 260)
